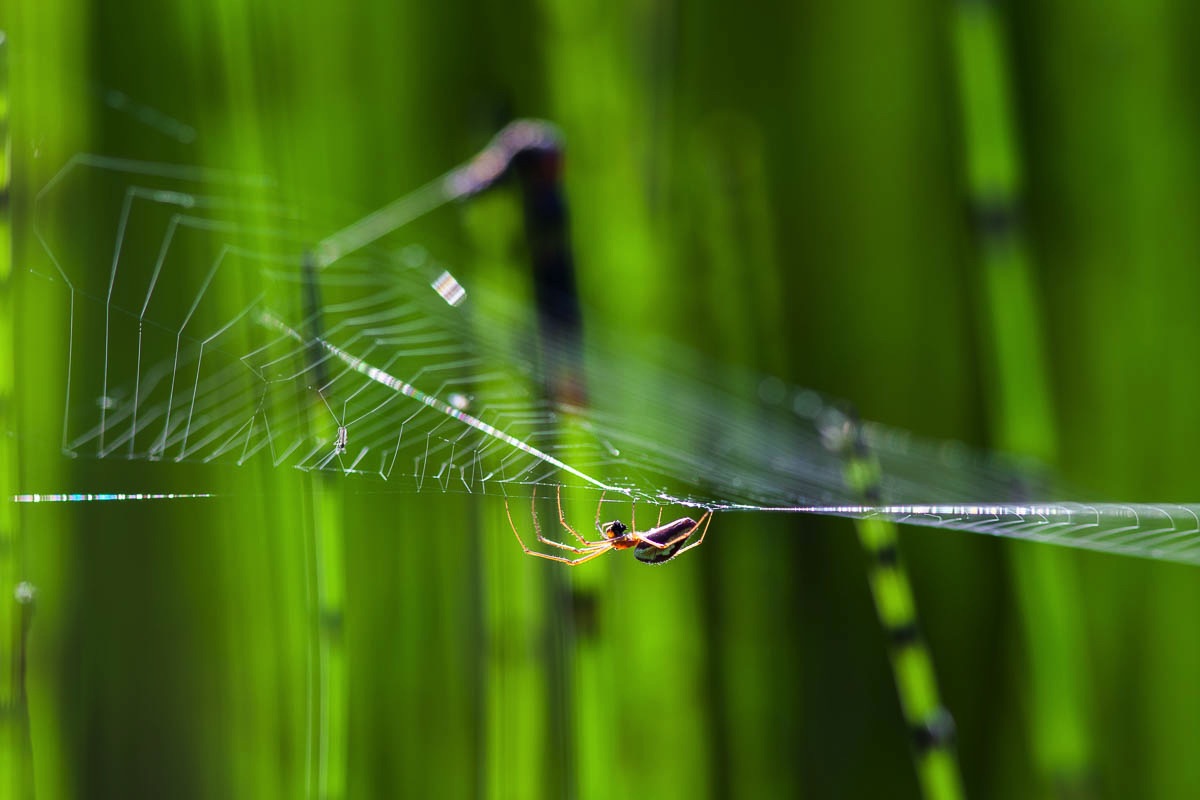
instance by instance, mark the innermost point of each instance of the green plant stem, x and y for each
(16, 774)
(332, 684)
(566, 661)
(328, 749)
(1046, 582)
(615, 235)
(929, 723)
(728, 200)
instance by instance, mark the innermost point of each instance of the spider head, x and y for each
(613, 530)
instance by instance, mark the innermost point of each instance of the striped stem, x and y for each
(1021, 407)
(531, 151)
(930, 724)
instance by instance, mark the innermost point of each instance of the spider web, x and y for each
(227, 342)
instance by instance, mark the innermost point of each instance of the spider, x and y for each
(658, 545)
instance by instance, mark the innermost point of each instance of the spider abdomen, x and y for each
(670, 538)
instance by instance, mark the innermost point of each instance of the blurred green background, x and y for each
(832, 193)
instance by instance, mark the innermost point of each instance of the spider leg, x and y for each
(705, 520)
(588, 554)
(645, 537)
(588, 547)
(681, 536)
(569, 561)
(599, 506)
(562, 518)
(537, 527)
(564, 546)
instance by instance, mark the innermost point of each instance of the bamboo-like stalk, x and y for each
(16, 594)
(616, 233)
(728, 199)
(327, 745)
(508, 614)
(268, 698)
(929, 723)
(1046, 584)
(560, 334)
(43, 98)
(332, 693)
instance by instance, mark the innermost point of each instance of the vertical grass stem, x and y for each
(1020, 397)
(930, 725)
(16, 595)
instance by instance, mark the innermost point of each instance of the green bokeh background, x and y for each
(781, 186)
